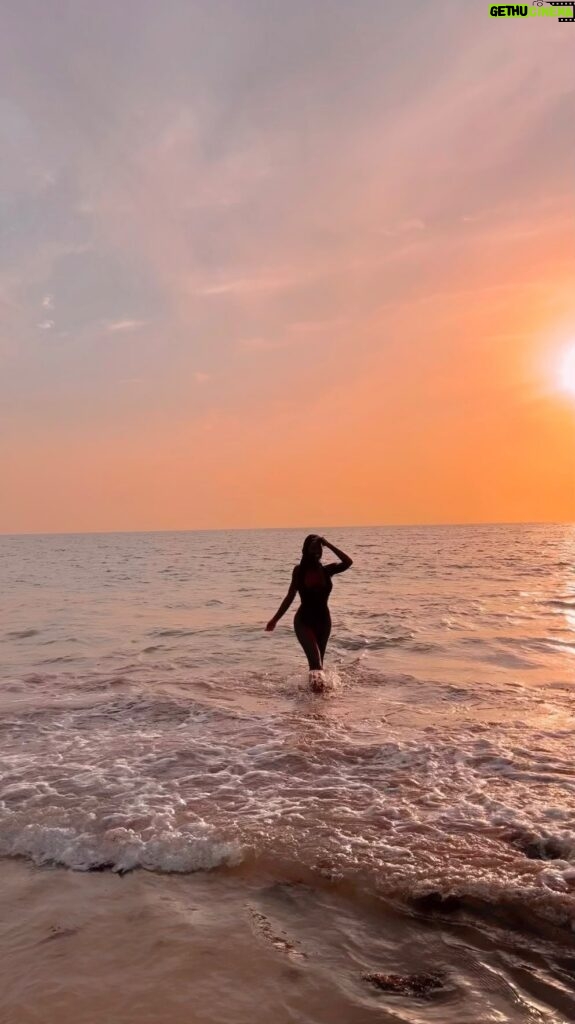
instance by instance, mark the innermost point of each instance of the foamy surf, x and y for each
(180, 851)
(177, 786)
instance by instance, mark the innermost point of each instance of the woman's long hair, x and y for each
(308, 559)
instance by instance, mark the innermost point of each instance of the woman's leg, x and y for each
(308, 640)
(323, 631)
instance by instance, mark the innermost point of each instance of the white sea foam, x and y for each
(174, 786)
(119, 849)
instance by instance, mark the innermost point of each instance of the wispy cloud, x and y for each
(258, 344)
(317, 326)
(250, 285)
(125, 325)
(405, 227)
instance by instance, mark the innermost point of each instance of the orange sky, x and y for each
(322, 274)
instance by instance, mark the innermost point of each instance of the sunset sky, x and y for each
(284, 262)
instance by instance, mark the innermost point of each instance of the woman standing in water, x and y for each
(312, 580)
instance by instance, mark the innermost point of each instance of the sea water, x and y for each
(261, 850)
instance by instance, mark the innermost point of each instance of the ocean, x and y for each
(188, 834)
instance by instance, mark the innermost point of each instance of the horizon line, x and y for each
(260, 529)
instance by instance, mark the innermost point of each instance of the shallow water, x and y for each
(225, 946)
(417, 818)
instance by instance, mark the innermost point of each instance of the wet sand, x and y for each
(83, 948)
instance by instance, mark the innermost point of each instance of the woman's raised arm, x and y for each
(345, 562)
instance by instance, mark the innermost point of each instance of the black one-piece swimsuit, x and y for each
(313, 614)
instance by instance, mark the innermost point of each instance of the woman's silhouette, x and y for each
(312, 622)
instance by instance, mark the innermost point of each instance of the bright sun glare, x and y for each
(567, 370)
